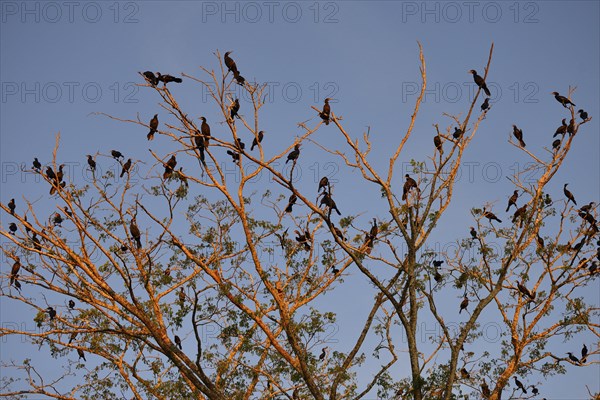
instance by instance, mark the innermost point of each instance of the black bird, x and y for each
(81, 354)
(239, 144)
(181, 296)
(524, 291)
(239, 78)
(71, 304)
(593, 267)
(167, 78)
(229, 63)
(519, 214)
(234, 156)
(11, 206)
(57, 219)
(150, 77)
(520, 385)
(534, 390)
(587, 208)
(72, 337)
(178, 342)
(568, 194)
(36, 242)
(304, 239)
(256, 142)
(293, 156)
(326, 111)
(438, 263)
(126, 167)
(408, 185)
(518, 134)
(583, 115)
(464, 374)
(584, 353)
(50, 173)
(235, 107)
(485, 390)
(490, 215)
(512, 201)
(573, 358)
(12, 227)
(540, 241)
(486, 104)
(561, 130)
(323, 183)
(571, 129)
(374, 230)
(457, 133)
(282, 238)
(135, 233)
(51, 313)
(464, 304)
(473, 233)
(14, 272)
(291, 202)
(480, 82)
(334, 270)
(338, 232)
(205, 130)
(328, 201)
(323, 354)
(556, 145)
(153, 127)
(91, 162)
(437, 141)
(562, 100)
(170, 167)
(36, 164)
(547, 200)
(116, 154)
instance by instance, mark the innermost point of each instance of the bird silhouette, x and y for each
(562, 100)
(153, 127)
(255, 142)
(480, 82)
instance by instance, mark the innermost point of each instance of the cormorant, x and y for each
(573, 358)
(239, 78)
(323, 354)
(571, 129)
(518, 134)
(293, 156)
(11, 206)
(14, 272)
(534, 390)
(587, 208)
(540, 241)
(303, 238)
(72, 337)
(520, 385)
(116, 154)
(485, 390)
(334, 270)
(512, 201)
(37, 165)
(153, 127)
(126, 167)
(57, 219)
(235, 107)
(464, 374)
(524, 291)
(473, 233)
(326, 111)
(167, 78)
(561, 130)
(556, 145)
(437, 276)
(457, 133)
(291, 202)
(520, 213)
(464, 304)
(51, 313)
(50, 174)
(205, 130)
(593, 267)
(437, 141)
(323, 183)
(36, 242)
(562, 100)
(81, 354)
(91, 162)
(408, 185)
(229, 63)
(234, 156)
(71, 304)
(178, 342)
(584, 353)
(328, 201)
(438, 263)
(583, 115)
(256, 142)
(181, 296)
(486, 104)
(338, 232)
(547, 200)
(374, 230)
(480, 82)
(135, 233)
(282, 238)
(568, 194)
(150, 77)
(170, 167)
(490, 215)
(12, 227)
(239, 144)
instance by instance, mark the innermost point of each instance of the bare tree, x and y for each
(130, 270)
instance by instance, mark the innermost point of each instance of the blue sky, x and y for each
(59, 64)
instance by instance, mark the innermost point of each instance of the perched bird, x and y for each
(464, 304)
(486, 104)
(229, 63)
(14, 272)
(304, 239)
(57, 219)
(12, 227)
(234, 156)
(239, 78)
(490, 215)
(334, 270)
(556, 145)
(588, 207)
(50, 173)
(36, 242)
(568, 194)
(408, 185)
(181, 296)
(51, 313)
(561, 130)
(573, 358)
(11, 206)
(255, 142)
(571, 128)
(593, 267)
(562, 100)
(328, 201)
(205, 130)
(437, 141)
(519, 214)
(293, 156)
(239, 144)
(167, 78)
(437, 263)
(520, 385)
(150, 77)
(72, 337)
(292, 200)
(36, 164)
(473, 233)
(81, 354)
(323, 354)
(374, 230)
(457, 133)
(338, 232)
(485, 390)
(323, 183)
(178, 342)
(464, 374)
(153, 127)
(126, 167)
(518, 134)
(235, 107)
(583, 115)
(584, 353)
(547, 200)
(325, 113)
(524, 291)
(71, 304)
(135, 233)
(282, 238)
(480, 82)
(540, 241)
(512, 201)
(534, 390)
(170, 167)
(116, 154)
(91, 162)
